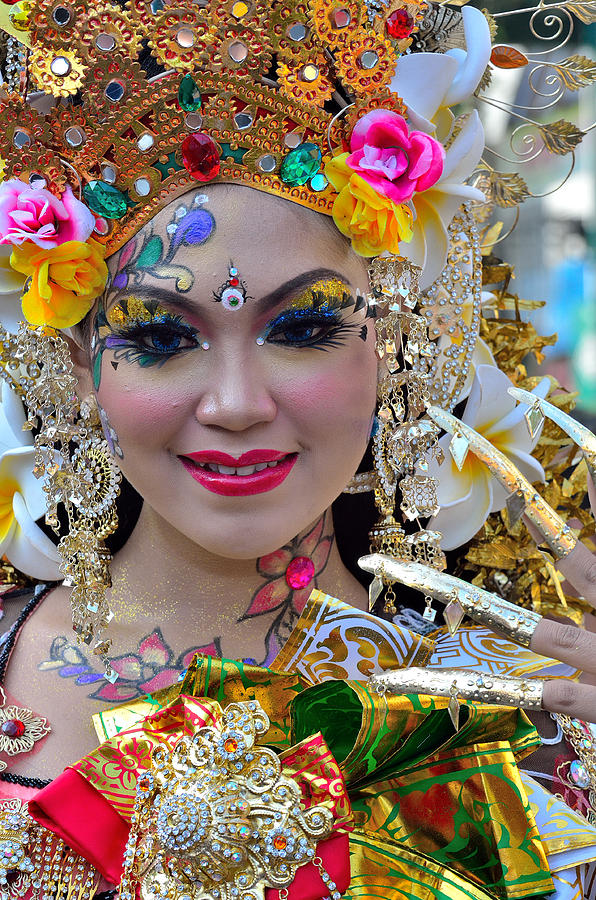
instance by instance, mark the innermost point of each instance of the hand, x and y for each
(567, 643)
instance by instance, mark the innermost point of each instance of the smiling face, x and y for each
(233, 359)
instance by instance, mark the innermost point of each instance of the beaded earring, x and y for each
(36, 361)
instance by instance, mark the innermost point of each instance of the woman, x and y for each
(231, 362)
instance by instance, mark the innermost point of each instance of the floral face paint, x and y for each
(148, 254)
(141, 331)
(318, 318)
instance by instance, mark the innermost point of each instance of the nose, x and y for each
(237, 395)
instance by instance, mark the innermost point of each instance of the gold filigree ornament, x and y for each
(216, 817)
(307, 82)
(60, 74)
(20, 729)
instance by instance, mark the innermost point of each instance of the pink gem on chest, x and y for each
(300, 572)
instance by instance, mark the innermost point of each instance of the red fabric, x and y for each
(308, 884)
(85, 820)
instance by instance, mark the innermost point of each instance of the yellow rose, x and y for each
(65, 280)
(373, 222)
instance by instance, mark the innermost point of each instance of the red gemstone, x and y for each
(200, 155)
(234, 282)
(300, 572)
(400, 24)
(13, 728)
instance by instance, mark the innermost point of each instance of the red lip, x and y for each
(251, 458)
(239, 485)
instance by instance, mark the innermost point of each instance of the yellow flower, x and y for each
(374, 223)
(65, 280)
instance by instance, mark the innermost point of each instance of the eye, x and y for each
(301, 329)
(163, 339)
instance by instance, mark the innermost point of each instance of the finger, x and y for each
(579, 569)
(555, 532)
(567, 643)
(570, 698)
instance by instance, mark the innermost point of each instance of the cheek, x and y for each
(140, 414)
(337, 402)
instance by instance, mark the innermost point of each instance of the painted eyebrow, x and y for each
(269, 301)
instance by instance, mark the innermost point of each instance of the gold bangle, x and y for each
(482, 606)
(497, 690)
(556, 533)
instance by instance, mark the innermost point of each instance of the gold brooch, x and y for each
(217, 818)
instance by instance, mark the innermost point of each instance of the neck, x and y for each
(239, 608)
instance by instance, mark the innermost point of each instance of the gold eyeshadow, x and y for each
(322, 293)
(133, 310)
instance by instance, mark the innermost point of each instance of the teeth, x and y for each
(241, 470)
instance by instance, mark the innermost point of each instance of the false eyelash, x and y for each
(335, 335)
(127, 342)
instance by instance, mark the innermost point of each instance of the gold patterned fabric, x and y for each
(438, 813)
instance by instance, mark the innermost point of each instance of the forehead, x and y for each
(268, 238)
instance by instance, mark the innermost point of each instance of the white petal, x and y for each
(17, 466)
(453, 486)
(460, 522)
(434, 228)
(12, 418)
(421, 80)
(31, 551)
(495, 405)
(473, 62)
(481, 356)
(464, 153)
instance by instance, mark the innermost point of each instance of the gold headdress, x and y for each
(247, 91)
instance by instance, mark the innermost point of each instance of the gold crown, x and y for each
(246, 91)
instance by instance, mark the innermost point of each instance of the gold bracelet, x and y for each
(556, 533)
(461, 598)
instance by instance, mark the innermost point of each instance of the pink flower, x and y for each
(396, 162)
(37, 215)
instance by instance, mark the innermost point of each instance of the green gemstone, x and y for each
(105, 199)
(189, 96)
(300, 164)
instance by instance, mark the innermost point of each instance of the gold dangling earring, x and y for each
(86, 482)
(402, 439)
(92, 518)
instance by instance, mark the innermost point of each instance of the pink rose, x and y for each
(35, 214)
(396, 162)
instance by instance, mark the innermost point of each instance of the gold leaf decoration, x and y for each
(585, 10)
(561, 137)
(504, 57)
(503, 188)
(576, 71)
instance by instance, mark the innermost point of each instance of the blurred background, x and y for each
(553, 246)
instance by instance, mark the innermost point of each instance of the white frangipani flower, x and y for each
(22, 499)
(467, 497)
(11, 291)
(429, 83)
